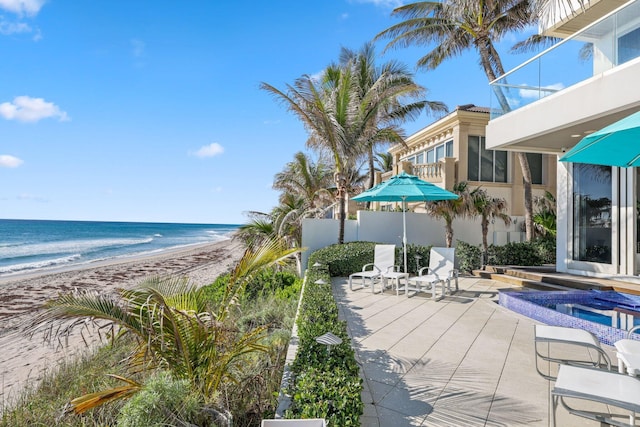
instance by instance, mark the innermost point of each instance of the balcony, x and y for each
(577, 86)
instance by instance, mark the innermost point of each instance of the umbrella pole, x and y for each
(404, 231)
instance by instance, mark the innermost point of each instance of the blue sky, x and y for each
(151, 111)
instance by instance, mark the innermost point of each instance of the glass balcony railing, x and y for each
(603, 45)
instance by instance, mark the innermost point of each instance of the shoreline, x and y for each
(24, 359)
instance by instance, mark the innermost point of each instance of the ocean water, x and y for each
(31, 245)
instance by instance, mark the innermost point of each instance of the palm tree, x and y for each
(384, 161)
(385, 85)
(454, 26)
(448, 210)
(174, 326)
(489, 208)
(305, 178)
(326, 109)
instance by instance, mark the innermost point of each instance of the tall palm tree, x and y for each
(488, 208)
(455, 26)
(327, 110)
(448, 210)
(385, 86)
(174, 325)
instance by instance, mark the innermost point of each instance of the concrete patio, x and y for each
(460, 361)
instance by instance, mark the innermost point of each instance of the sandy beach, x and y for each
(24, 359)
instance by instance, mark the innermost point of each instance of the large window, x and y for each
(485, 165)
(629, 46)
(592, 196)
(432, 155)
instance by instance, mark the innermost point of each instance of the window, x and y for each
(629, 46)
(535, 165)
(592, 196)
(433, 155)
(485, 165)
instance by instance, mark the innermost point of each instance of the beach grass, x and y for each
(44, 404)
(251, 398)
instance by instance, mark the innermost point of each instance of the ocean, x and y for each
(28, 246)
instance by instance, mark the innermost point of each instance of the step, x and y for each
(522, 282)
(565, 280)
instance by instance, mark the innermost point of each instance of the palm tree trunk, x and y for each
(372, 172)
(528, 197)
(342, 189)
(448, 235)
(489, 57)
(485, 245)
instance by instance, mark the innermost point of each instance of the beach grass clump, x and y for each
(162, 401)
(44, 403)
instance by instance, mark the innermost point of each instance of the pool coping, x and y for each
(525, 303)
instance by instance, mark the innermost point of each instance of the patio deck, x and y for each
(460, 361)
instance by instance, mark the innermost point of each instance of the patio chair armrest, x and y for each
(632, 330)
(453, 274)
(364, 267)
(421, 271)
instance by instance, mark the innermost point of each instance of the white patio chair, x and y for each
(628, 354)
(440, 272)
(596, 385)
(559, 337)
(382, 268)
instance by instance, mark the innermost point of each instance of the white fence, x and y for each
(386, 227)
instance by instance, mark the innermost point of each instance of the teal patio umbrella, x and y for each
(615, 145)
(404, 188)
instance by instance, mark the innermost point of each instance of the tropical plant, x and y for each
(454, 26)
(175, 325)
(448, 210)
(259, 228)
(545, 216)
(488, 208)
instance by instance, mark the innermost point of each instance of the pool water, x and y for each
(607, 314)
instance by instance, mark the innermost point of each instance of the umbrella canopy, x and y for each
(404, 188)
(615, 145)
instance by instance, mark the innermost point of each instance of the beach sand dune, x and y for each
(25, 359)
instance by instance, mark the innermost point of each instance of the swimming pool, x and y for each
(607, 314)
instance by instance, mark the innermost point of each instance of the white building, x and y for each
(553, 100)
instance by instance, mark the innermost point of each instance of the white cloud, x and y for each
(210, 150)
(27, 109)
(7, 161)
(22, 7)
(542, 92)
(7, 28)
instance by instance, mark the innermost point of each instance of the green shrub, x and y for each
(412, 251)
(515, 253)
(469, 257)
(342, 260)
(328, 395)
(163, 401)
(546, 247)
(326, 384)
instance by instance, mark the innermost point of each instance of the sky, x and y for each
(114, 110)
